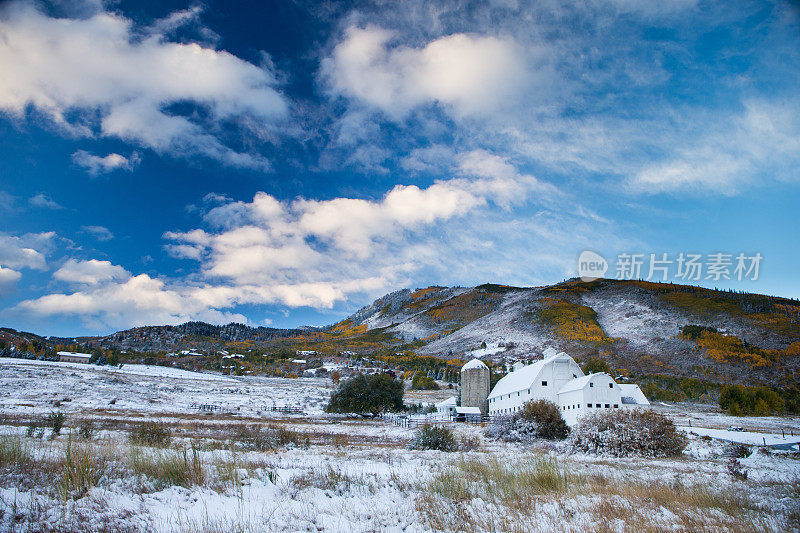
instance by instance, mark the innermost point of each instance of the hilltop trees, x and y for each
(367, 395)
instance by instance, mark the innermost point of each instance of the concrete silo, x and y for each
(475, 385)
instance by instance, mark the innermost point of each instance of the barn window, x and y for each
(610, 385)
(574, 375)
(591, 384)
(616, 406)
(544, 384)
(579, 406)
(607, 406)
(588, 405)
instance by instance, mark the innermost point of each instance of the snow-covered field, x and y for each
(341, 474)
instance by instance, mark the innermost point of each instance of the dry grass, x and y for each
(487, 494)
(165, 468)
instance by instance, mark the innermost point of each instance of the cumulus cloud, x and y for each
(90, 272)
(101, 233)
(95, 164)
(26, 251)
(43, 201)
(8, 278)
(467, 73)
(488, 220)
(120, 83)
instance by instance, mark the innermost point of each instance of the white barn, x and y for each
(541, 380)
(559, 379)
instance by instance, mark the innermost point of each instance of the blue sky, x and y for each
(284, 163)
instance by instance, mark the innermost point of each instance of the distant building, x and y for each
(74, 357)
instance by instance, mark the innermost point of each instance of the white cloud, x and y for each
(43, 201)
(101, 233)
(26, 251)
(90, 272)
(467, 73)
(8, 278)
(120, 82)
(95, 164)
(489, 221)
(761, 143)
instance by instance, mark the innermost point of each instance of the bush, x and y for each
(432, 437)
(628, 432)
(55, 421)
(86, 429)
(737, 400)
(595, 364)
(422, 381)
(367, 395)
(264, 439)
(540, 419)
(151, 434)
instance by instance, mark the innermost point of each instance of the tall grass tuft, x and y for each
(81, 469)
(182, 467)
(14, 451)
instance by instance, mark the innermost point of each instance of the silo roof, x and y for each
(475, 363)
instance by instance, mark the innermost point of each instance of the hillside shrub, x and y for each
(626, 432)
(367, 395)
(759, 401)
(540, 419)
(55, 421)
(422, 381)
(434, 437)
(151, 434)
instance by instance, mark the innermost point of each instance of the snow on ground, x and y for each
(356, 475)
(35, 387)
(139, 370)
(745, 437)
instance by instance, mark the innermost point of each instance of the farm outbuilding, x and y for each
(74, 357)
(446, 409)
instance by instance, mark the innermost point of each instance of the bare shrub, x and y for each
(55, 421)
(268, 438)
(434, 437)
(86, 429)
(151, 434)
(737, 450)
(628, 432)
(736, 470)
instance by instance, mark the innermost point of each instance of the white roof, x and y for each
(524, 377)
(447, 403)
(633, 391)
(475, 363)
(75, 354)
(468, 410)
(581, 383)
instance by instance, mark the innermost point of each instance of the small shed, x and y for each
(468, 414)
(74, 357)
(446, 409)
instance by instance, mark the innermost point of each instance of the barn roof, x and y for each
(633, 394)
(468, 410)
(524, 377)
(581, 383)
(448, 402)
